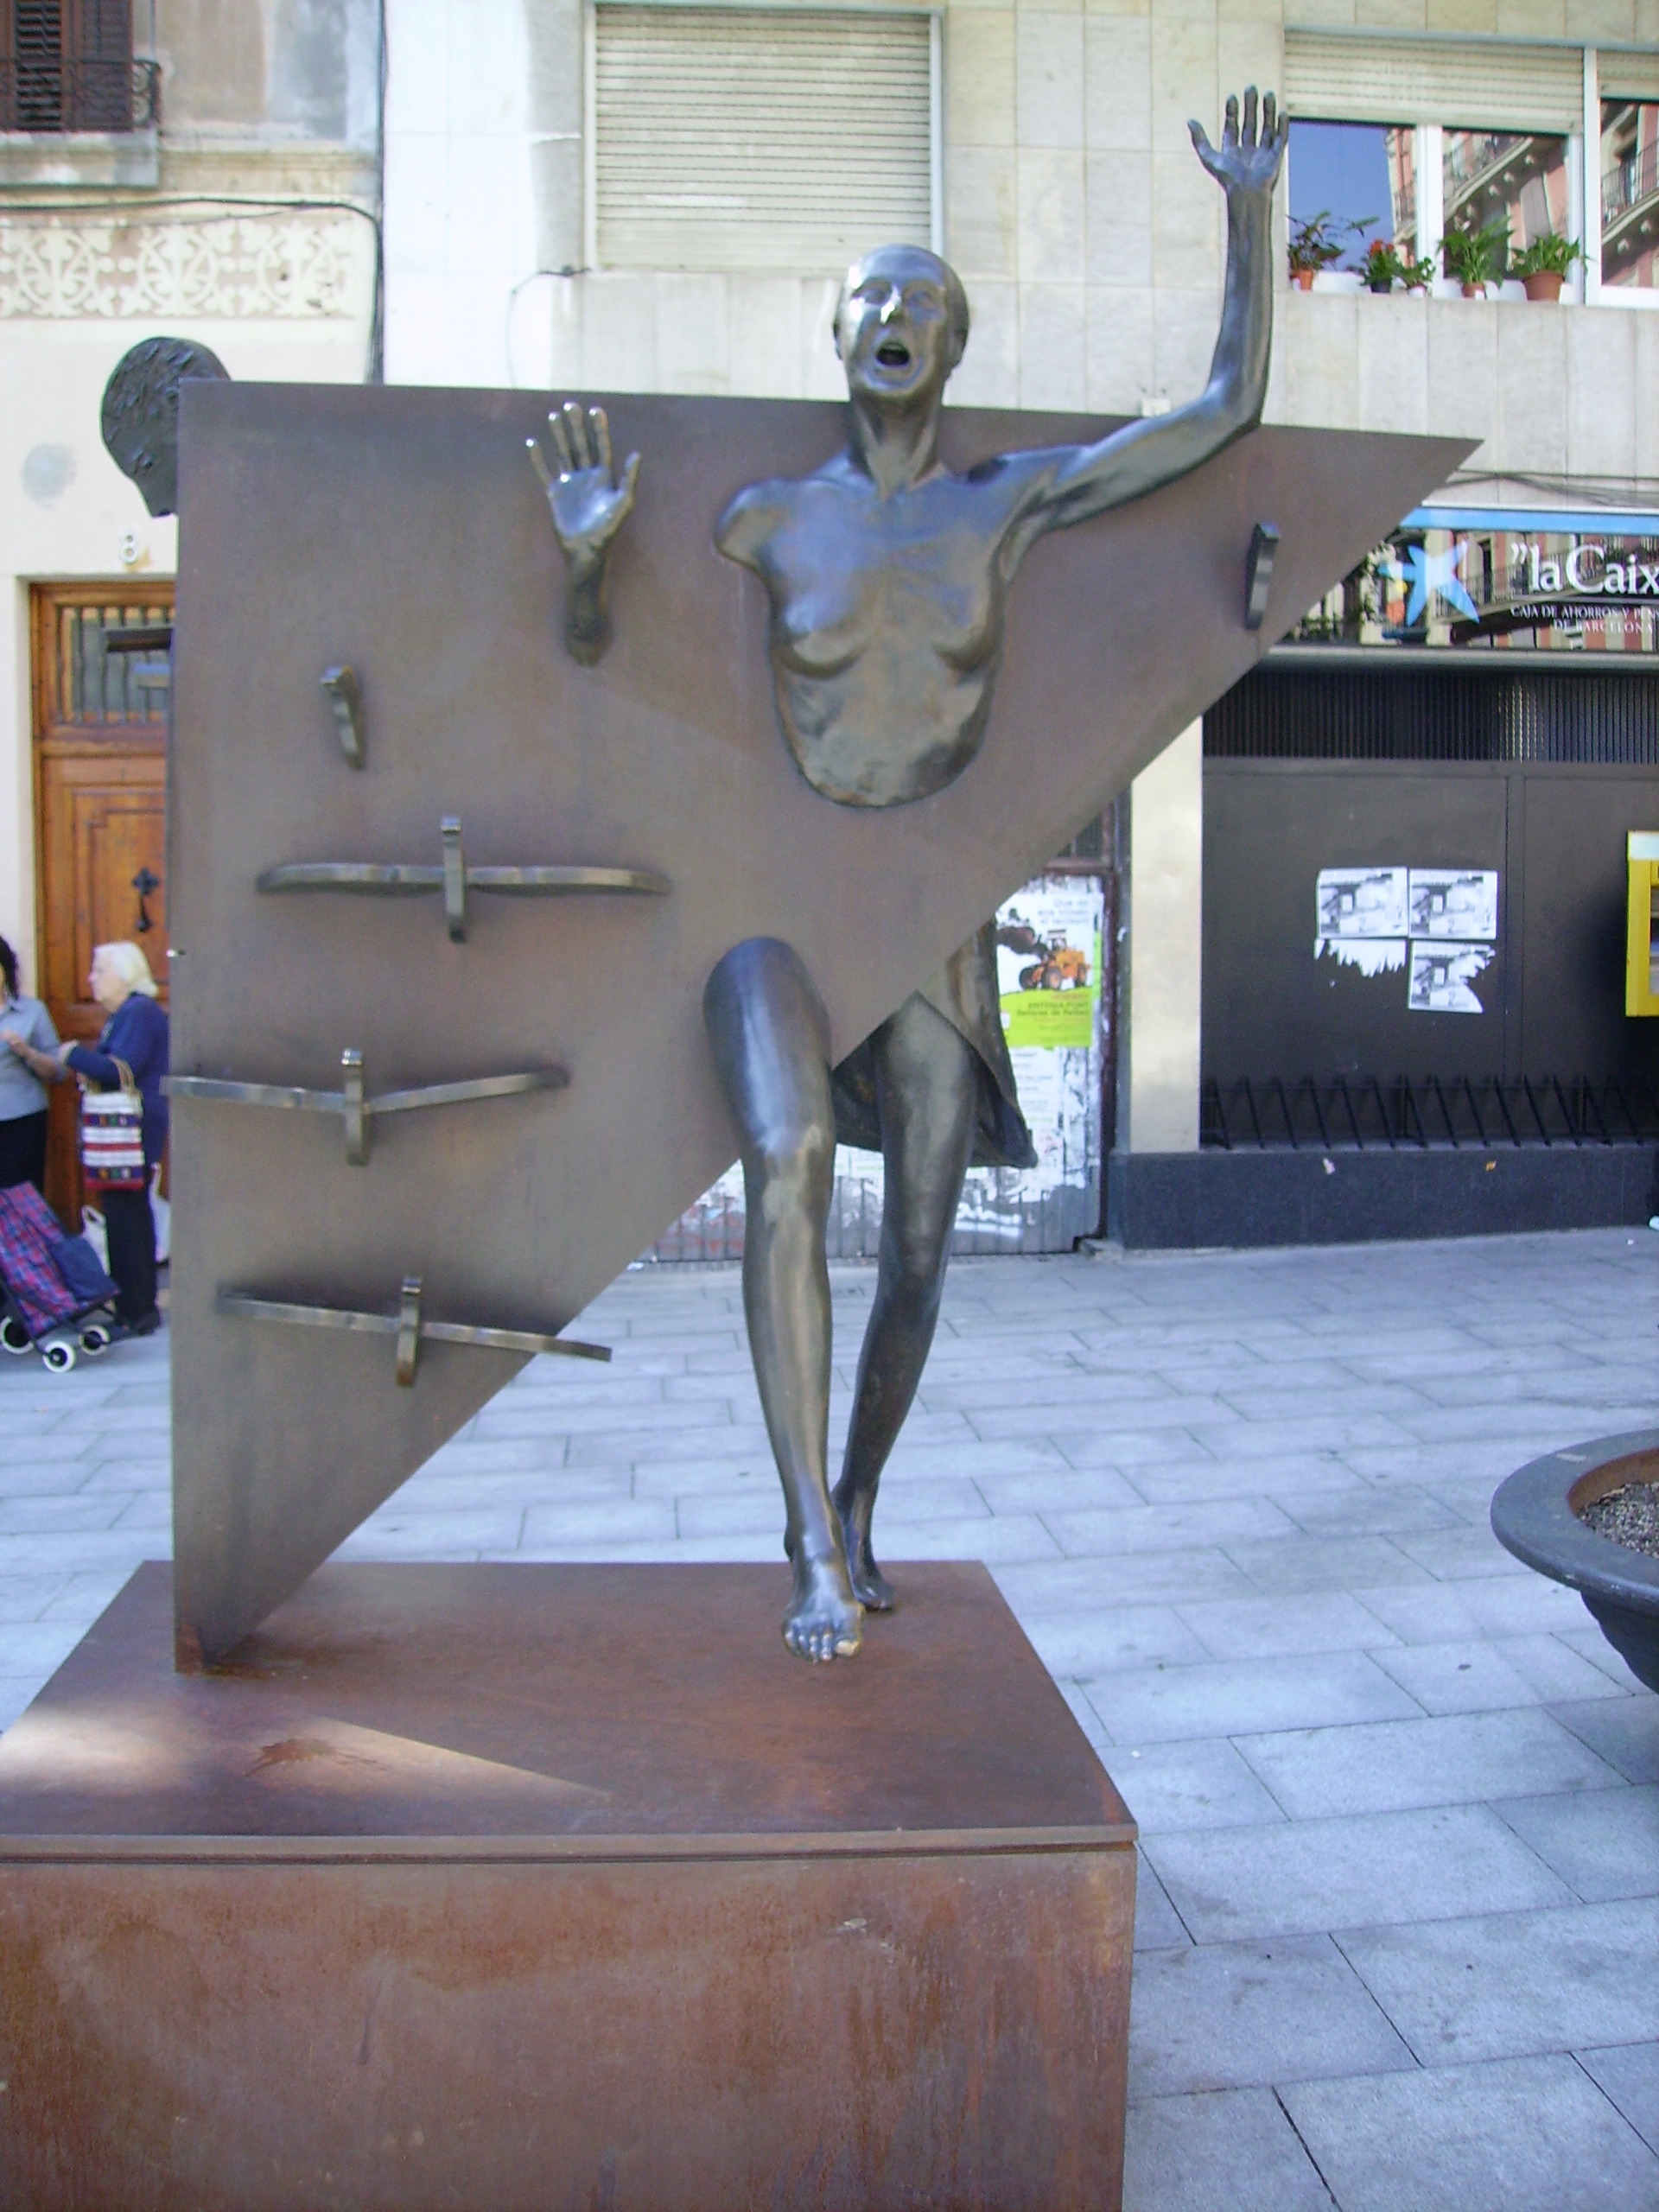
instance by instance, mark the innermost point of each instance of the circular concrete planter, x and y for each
(1535, 1515)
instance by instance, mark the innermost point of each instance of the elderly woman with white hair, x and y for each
(135, 1036)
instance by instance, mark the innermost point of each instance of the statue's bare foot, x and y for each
(824, 1620)
(875, 1593)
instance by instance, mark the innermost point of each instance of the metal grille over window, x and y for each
(740, 138)
(1488, 85)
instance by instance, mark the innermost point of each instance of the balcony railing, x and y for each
(42, 93)
(1630, 181)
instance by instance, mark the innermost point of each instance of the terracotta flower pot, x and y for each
(1473, 291)
(1544, 284)
(1302, 279)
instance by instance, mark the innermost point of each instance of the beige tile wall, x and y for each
(1091, 240)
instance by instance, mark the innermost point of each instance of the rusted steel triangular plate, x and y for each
(403, 532)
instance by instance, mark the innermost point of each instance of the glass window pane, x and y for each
(1517, 178)
(1359, 175)
(1630, 193)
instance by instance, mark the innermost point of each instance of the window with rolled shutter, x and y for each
(736, 138)
(67, 64)
(1487, 85)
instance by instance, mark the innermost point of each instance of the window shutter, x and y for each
(749, 139)
(100, 72)
(34, 73)
(1491, 86)
(1628, 76)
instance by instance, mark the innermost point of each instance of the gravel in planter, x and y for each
(1630, 1516)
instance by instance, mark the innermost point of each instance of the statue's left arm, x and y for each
(1088, 480)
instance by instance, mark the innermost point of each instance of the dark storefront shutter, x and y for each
(1346, 714)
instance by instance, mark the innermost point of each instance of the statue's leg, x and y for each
(771, 1045)
(927, 1087)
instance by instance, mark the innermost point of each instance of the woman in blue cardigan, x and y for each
(136, 1033)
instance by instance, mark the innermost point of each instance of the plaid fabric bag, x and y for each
(29, 1231)
(112, 1136)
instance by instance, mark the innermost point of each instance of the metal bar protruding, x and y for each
(359, 1110)
(409, 1332)
(346, 697)
(357, 1120)
(538, 882)
(455, 880)
(244, 1304)
(253, 1094)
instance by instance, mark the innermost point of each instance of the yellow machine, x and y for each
(1642, 957)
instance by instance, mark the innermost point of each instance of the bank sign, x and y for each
(1498, 582)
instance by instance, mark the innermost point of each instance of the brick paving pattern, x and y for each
(1399, 1799)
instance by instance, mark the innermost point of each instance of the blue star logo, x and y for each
(1428, 572)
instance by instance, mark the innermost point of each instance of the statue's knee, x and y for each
(794, 1162)
(763, 975)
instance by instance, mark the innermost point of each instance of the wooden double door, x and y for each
(100, 811)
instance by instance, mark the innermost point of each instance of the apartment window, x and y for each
(68, 64)
(1362, 176)
(1630, 194)
(736, 139)
(1409, 139)
(1518, 178)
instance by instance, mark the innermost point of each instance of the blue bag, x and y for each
(83, 1275)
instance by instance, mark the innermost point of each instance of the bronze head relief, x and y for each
(140, 414)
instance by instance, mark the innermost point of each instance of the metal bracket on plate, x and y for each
(1258, 574)
(346, 697)
(360, 1110)
(409, 1332)
(407, 1325)
(452, 877)
(455, 879)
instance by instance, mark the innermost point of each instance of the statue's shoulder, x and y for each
(758, 511)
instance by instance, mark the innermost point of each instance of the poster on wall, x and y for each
(1361, 902)
(1455, 902)
(1441, 974)
(1445, 918)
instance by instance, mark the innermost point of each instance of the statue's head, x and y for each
(140, 415)
(902, 325)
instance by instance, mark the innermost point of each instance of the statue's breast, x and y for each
(887, 621)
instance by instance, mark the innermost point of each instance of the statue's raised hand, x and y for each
(589, 505)
(1242, 162)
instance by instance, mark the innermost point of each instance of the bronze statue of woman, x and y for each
(888, 579)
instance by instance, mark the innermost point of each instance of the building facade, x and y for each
(662, 197)
(208, 171)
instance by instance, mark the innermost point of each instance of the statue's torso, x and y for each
(886, 626)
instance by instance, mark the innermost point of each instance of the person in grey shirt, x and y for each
(28, 1062)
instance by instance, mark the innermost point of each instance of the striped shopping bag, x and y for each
(112, 1136)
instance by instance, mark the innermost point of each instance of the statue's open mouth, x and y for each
(891, 354)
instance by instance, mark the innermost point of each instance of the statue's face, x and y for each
(895, 326)
(147, 450)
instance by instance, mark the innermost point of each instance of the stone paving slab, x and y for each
(1399, 1798)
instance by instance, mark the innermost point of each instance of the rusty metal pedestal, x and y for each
(515, 1887)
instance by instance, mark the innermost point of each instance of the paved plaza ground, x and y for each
(1398, 1940)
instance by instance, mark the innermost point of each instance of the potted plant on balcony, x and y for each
(1382, 266)
(1543, 265)
(1314, 244)
(1476, 258)
(1419, 274)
